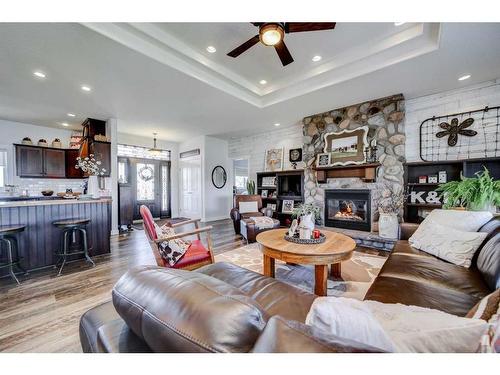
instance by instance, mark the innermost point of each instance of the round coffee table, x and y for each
(336, 248)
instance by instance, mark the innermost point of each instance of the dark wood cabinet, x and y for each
(54, 162)
(29, 161)
(71, 171)
(35, 161)
(102, 152)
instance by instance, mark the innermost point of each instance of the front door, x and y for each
(190, 187)
(149, 183)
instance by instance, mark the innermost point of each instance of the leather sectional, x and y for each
(225, 308)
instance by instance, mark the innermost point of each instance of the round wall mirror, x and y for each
(219, 177)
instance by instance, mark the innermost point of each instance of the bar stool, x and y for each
(70, 227)
(8, 236)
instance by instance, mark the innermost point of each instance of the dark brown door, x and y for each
(29, 161)
(54, 163)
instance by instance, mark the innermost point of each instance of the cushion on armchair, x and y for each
(247, 207)
(171, 251)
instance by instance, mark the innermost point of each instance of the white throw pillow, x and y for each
(467, 221)
(396, 327)
(246, 207)
(455, 246)
(350, 319)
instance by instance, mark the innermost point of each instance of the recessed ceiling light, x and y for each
(399, 23)
(64, 124)
(86, 88)
(277, 124)
(211, 49)
(71, 115)
(262, 81)
(39, 74)
(463, 78)
(316, 58)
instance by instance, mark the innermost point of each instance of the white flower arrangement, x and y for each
(90, 165)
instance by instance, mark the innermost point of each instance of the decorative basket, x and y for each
(308, 241)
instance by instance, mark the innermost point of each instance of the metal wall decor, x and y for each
(459, 136)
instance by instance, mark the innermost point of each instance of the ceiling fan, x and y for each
(273, 34)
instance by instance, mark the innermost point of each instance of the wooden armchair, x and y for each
(196, 256)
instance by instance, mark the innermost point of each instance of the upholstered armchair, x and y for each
(245, 210)
(196, 256)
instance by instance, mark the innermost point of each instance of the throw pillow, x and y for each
(171, 251)
(486, 308)
(467, 221)
(455, 246)
(396, 327)
(246, 207)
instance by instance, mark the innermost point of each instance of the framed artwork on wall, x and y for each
(323, 160)
(274, 160)
(347, 146)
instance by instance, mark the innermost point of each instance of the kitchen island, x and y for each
(40, 240)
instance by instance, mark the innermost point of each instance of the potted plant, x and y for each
(92, 168)
(479, 193)
(308, 214)
(389, 208)
(251, 187)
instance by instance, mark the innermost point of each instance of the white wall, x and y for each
(134, 140)
(255, 146)
(13, 132)
(215, 203)
(464, 99)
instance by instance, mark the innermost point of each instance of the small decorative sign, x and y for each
(442, 177)
(422, 197)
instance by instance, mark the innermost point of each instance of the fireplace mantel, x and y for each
(367, 172)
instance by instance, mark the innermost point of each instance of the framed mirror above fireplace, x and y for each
(348, 208)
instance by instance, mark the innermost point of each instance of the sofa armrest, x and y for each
(407, 230)
(289, 336)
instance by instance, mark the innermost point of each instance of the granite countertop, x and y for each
(54, 201)
(11, 198)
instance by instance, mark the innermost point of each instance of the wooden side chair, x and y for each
(196, 256)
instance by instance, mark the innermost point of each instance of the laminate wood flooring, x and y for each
(43, 313)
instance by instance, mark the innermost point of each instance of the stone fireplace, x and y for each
(384, 118)
(348, 208)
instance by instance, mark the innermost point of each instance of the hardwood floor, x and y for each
(42, 314)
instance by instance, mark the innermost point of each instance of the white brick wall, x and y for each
(254, 147)
(460, 100)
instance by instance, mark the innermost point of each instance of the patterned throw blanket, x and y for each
(263, 222)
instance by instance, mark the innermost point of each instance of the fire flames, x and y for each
(346, 213)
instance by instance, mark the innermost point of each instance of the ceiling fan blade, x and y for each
(248, 44)
(283, 53)
(297, 27)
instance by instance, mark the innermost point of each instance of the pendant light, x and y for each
(155, 150)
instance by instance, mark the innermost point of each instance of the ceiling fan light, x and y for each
(155, 150)
(271, 34)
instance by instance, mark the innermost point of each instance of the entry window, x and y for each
(145, 182)
(3, 168)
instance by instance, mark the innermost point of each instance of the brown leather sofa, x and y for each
(225, 308)
(236, 216)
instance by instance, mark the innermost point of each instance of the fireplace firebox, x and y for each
(348, 208)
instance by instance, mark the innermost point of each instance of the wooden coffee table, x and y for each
(336, 248)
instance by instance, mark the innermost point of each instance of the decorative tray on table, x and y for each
(307, 241)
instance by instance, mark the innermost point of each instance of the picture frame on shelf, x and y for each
(273, 160)
(323, 160)
(263, 193)
(347, 146)
(269, 181)
(272, 206)
(287, 206)
(422, 179)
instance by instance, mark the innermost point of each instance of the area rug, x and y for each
(358, 272)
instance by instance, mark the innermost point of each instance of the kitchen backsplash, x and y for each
(36, 185)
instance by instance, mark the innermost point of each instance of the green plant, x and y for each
(306, 209)
(251, 187)
(474, 193)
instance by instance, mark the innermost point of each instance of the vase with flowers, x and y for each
(389, 208)
(92, 167)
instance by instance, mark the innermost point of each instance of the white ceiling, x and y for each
(159, 77)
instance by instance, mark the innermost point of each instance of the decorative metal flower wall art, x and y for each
(453, 130)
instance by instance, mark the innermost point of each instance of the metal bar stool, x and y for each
(8, 236)
(70, 227)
